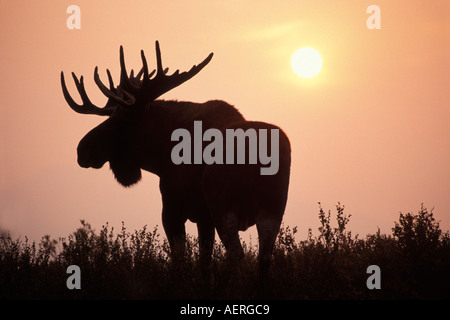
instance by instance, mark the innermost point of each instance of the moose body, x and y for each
(223, 197)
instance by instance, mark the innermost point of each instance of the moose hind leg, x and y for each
(228, 229)
(268, 226)
(206, 233)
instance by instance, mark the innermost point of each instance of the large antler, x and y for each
(87, 107)
(131, 90)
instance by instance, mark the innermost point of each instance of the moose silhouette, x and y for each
(138, 135)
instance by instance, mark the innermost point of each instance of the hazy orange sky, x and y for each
(370, 131)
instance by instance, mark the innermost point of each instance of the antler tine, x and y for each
(162, 83)
(144, 68)
(87, 107)
(137, 79)
(111, 82)
(112, 93)
(125, 81)
(184, 76)
(159, 69)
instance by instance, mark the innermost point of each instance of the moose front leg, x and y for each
(176, 235)
(206, 233)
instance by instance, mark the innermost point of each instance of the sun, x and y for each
(306, 62)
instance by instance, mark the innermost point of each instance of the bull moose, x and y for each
(138, 134)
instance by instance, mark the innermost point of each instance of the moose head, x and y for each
(115, 140)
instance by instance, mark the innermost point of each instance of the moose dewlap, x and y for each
(213, 153)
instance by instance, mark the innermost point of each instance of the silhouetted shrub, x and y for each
(418, 234)
(414, 263)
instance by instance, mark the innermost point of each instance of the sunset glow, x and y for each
(374, 134)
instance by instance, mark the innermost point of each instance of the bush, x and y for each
(414, 263)
(418, 233)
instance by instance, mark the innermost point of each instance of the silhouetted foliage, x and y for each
(414, 263)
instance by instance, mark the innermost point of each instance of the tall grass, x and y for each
(414, 262)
